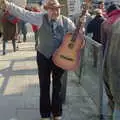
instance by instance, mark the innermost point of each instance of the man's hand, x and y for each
(2, 4)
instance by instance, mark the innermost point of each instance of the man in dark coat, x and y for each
(94, 27)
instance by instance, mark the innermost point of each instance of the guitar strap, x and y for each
(64, 24)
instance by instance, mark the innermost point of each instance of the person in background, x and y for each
(101, 6)
(10, 30)
(23, 30)
(94, 28)
(36, 28)
(87, 16)
(111, 66)
(53, 27)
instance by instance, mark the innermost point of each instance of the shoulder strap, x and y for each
(45, 17)
(65, 23)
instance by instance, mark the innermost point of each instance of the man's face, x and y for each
(101, 6)
(53, 13)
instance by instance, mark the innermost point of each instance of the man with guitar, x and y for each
(53, 27)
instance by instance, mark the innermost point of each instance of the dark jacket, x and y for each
(94, 27)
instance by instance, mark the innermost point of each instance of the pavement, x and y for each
(19, 88)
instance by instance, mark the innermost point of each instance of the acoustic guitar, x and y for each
(67, 56)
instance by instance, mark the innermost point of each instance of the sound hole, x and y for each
(70, 45)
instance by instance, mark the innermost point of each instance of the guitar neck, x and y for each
(76, 32)
(79, 25)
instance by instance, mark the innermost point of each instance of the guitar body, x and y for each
(67, 56)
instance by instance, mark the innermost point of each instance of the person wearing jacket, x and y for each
(101, 6)
(10, 28)
(111, 67)
(94, 28)
(22, 29)
(36, 28)
(53, 27)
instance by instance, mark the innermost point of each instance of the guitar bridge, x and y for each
(67, 58)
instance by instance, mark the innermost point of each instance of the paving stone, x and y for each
(19, 88)
(28, 114)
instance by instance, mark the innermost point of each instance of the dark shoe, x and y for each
(14, 49)
(17, 48)
(24, 37)
(19, 41)
(3, 53)
(24, 40)
(0, 34)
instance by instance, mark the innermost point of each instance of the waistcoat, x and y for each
(48, 42)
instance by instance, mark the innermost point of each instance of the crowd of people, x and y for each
(103, 25)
